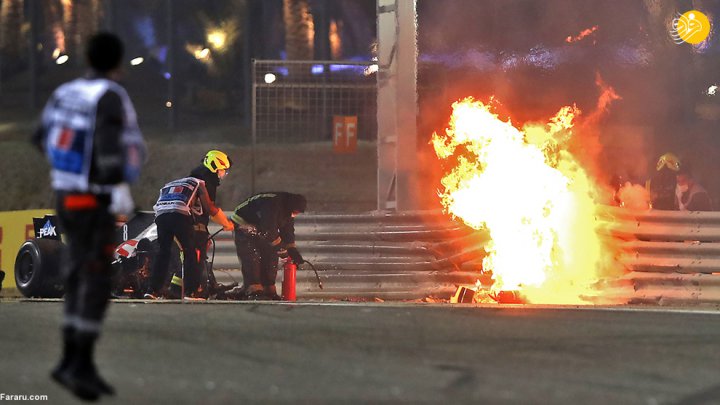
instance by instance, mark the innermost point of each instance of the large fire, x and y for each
(533, 197)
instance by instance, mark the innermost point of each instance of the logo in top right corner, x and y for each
(692, 27)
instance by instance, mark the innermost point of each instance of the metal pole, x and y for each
(387, 25)
(32, 48)
(109, 22)
(397, 105)
(322, 30)
(246, 61)
(253, 129)
(1, 60)
(171, 65)
(326, 119)
(406, 186)
(1, 53)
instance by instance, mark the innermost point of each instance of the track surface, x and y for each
(313, 353)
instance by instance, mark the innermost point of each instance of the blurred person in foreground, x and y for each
(90, 135)
(689, 195)
(264, 224)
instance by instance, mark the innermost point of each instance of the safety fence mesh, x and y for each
(297, 101)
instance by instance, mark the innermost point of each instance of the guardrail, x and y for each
(665, 226)
(672, 257)
(377, 255)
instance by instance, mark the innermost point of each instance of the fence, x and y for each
(295, 101)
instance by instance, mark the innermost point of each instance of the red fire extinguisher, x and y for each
(288, 285)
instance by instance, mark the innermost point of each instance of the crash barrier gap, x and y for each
(671, 257)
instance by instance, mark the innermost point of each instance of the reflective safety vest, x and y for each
(179, 196)
(69, 124)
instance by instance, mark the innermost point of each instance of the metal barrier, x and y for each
(386, 256)
(673, 257)
(664, 226)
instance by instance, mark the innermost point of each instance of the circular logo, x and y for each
(692, 27)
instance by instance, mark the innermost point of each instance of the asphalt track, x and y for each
(396, 353)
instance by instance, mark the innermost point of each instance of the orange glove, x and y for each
(221, 219)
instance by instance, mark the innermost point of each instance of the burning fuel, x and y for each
(584, 33)
(533, 197)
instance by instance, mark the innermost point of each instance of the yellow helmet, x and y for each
(670, 161)
(216, 160)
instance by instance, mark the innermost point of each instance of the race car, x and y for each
(38, 270)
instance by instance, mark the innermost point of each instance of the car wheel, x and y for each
(37, 268)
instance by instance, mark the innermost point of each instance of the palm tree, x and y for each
(11, 20)
(54, 26)
(299, 29)
(84, 17)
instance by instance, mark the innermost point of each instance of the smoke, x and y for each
(634, 196)
(641, 95)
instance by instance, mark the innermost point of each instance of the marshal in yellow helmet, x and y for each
(670, 161)
(216, 160)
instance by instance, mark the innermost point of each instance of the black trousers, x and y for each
(87, 271)
(258, 258)
(202, 236)
(170, 226)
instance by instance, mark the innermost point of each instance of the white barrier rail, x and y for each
(673, 257)
(378, 255)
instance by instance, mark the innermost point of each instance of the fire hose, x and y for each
(212, 261)
(211, 237)
(316, 274)
(212, 258)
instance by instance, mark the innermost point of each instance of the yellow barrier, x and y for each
(15, 228)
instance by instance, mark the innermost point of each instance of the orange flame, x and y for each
(533, 197)
(584, 33)
(588, 149)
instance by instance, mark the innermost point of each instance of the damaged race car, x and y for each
(38, 269)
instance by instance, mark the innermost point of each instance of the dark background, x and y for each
(515, 50)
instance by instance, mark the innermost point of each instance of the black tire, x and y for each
(37, 268)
